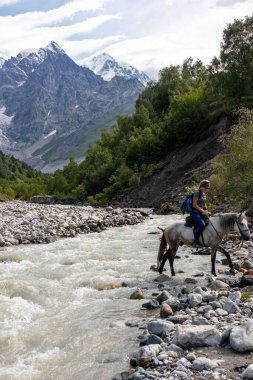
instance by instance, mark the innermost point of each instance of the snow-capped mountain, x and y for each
(52, 109)
(2, 60)
(107, 67)
(28, 60)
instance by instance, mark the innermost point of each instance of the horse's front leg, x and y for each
(171, 261)
(230, 263)
(213, 259)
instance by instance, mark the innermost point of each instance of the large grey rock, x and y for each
(241, 337)
(166, 296)
(230, 307)
(144, 355)
(196, 336)
(235, 296)
(248, 373)
(203, 363)
(195, 299)
(160, 328)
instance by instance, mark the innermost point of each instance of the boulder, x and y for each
(165, 296)
(144, 355)
(241, 337)
(230, 307)
(160, 328)
(137, 295)
(203, 363)
(165, 311)
(195, 299)
(248, 373)
(196, 336)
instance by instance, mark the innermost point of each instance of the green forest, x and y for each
(173, 112)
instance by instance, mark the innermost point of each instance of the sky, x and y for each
(147, 34)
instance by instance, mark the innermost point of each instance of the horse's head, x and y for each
(241, 226)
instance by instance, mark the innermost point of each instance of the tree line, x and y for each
(175, 111)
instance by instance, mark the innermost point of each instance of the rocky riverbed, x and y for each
(200, 327)
(27, 223)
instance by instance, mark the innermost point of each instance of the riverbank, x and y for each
(200, 327)
(29, 223)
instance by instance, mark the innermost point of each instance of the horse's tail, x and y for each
(162, 248)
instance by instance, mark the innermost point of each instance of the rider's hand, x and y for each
(206, 213)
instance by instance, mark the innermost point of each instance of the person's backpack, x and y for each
(187, 205)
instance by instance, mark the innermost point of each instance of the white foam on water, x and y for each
(57, 302)
(24, 367)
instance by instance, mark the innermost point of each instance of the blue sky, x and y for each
(148, 34)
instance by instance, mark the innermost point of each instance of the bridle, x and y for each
(242, 231)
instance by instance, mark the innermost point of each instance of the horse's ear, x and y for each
(244, 214)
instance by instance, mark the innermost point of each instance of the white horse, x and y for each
(219, 225)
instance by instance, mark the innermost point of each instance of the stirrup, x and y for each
(196, 245)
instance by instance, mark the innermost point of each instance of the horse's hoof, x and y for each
(154, 268)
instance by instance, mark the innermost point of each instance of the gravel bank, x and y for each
(28, 223)
(200, 327)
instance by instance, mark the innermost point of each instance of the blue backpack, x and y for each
(187, 205)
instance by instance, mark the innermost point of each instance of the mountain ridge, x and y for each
(47, 99)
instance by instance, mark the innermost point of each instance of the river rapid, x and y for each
(62, 305)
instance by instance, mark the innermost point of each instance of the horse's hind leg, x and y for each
(165, 257)
(169, 255)
(230, 263)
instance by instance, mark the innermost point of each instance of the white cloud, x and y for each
(8, 2)
(32, 29)
(227, 3)
(148, 34)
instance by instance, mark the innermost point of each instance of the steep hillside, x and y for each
(15, 170)
(165, 189)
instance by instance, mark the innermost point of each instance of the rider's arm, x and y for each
(195, 204)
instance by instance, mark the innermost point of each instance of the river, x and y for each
(58, 303)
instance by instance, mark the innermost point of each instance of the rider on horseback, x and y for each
(199, 214)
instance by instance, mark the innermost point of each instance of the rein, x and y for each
(215, 230)
(239, 228)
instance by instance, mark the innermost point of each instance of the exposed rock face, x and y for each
(166, 188)
(58, 107)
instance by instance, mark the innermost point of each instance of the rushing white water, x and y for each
(58, 301)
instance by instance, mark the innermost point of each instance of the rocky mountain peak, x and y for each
(107, 67)
(55, 48)
(2, 60)
(28, 60)
(53, 109)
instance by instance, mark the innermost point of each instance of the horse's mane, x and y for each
(227, 220)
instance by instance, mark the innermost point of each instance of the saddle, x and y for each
(189, 222)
